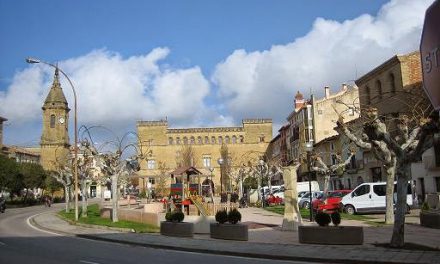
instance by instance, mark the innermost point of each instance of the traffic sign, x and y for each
(430, 54)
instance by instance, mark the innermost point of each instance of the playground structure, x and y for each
(187, 194)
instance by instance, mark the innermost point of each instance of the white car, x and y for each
(370, 198)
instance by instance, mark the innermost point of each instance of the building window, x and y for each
(334, 159)
(220, 140)
(206, 140)
(367, 95)
(151, 164)
(178, 141)
(207, 161)
(52, 121)
(185, 141)
(152, 180)
(379, 89)
(199, 140)
(261, 138)
(192, 141)
(213, 140)
(170, 141)
(351, 111)
(332, 146)
(319, 112)
(437, 183)
(234, 139)
(241, 139)
(392, 83)
(227, 140)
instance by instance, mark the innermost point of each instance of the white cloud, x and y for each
(115, 91)
(112, 91)
(265, 82)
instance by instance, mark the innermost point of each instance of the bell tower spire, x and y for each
(55, 137)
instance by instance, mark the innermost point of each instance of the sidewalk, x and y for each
(266, 240)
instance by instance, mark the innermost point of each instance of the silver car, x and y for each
(304, 201)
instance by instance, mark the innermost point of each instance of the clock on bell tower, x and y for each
(55, 136)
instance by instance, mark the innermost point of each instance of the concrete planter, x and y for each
(331, 235)
(175, 229)
(430, 219)
(229, 231)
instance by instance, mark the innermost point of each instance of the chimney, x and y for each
(327, 92)
(344, 87)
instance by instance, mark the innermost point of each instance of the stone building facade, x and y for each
(314, 120)
(164, 145)
(395, 88)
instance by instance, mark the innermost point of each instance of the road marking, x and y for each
(89, 262)
(2, 244)
(28, 221)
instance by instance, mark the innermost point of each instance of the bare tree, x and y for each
(327, 171)
(406, 147)
(161, 183)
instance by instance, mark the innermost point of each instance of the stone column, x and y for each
(292, 216)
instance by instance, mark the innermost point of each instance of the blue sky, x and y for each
(198, 63)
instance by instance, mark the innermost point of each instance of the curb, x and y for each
(198, 250)
(120, 229)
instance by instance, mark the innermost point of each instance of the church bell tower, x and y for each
(55, 136)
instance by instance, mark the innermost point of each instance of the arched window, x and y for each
(241, 139)
(185, 140)
(192, 141)
(178, 141)
(367, 95)
(199, 140)
(206, 140)
(52, 121)
(379, 89)
(220, 140)
(234, 139)
(213, 140)
(227, 140)
(170, 141)
(392, 83)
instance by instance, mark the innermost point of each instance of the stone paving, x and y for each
(266, 240)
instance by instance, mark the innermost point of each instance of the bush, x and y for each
(221, 216)
(425, 206)
(169, 216)
(336, 218)
(234, 216)
(322, 219)
(177, 216)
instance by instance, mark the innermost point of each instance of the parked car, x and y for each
(329, 202)
(304, 202)
(369, 197)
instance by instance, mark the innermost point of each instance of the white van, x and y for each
(369, 197)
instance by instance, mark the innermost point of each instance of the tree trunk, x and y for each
(67, 197)
(398, 237)
(115, 197)
(292, 216)
(391, 171)
(84, 198)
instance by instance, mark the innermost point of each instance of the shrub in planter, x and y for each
(234, 216)
(336, 218)
(221, 216)
(425, 206)
(169, 216)
(322, 219)
(177, 216)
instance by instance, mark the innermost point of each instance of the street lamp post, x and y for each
(75, 160)
(309, 148)
(211, 193)
(220, 162)
(261, 168)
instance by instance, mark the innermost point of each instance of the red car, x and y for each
(329, 203)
